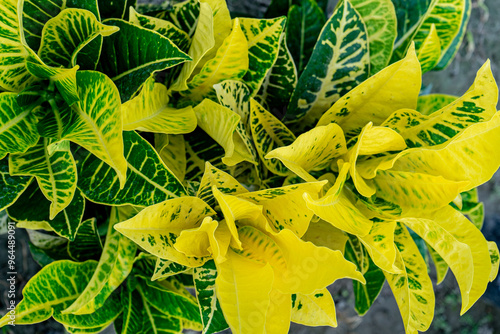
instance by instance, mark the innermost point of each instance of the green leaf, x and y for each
(12, 186)
(165, 268)
(339, 62)
(134, 54)
(55, 173)
(263, 47)
(87, 244)
(428, 104)
(184, 15)
(17, 126)
(430, 50)
(65, 35)
(33, 208)
(211, 312)
(148, 181)
(115, 9)
(305, 22)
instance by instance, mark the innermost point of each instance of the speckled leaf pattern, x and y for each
(113, 268)
(494, 256)
(379, 244)
(87, 244)
(413, 288)
(148, 181)
(69, 32)
(381, 24)
(317, 309)
(149, 111)
(399, 83)
(55, 173)
(313, 150)
(337, 65)
(428, 104)
(263, 47)
(184, 15)
(97, 125)
(32, 208)
(146, 52)
(11, 186)
(166, 268)
(211, 312)
(429, 51)
(234, 95)
(269, 133)
(18, 130)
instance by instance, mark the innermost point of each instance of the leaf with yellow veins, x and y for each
(429, 51)
(413, 287)
(380, 245)
(157, 227)
(324, 234)
(285, 207)
(309, 268)
(313, 150)
(391, 89)
(243, 289)
(149, 112)
(316, 309)
(494, 256)
(279, 312)
(230, 63)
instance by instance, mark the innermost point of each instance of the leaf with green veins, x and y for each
(280, 81)
(428, 104)
(149, 111)
(147, 176)
(55, 118)
(263, 47)
(339, 62)
(165, 28)
(115, 9)
(12, 186)
(33, 208)
(430, 50)
(304, 24)
(173, 153)
(472, 207)
(229, 63)
(17, 126)
(413, 288)
(113, 268)
(203, 41)
(65, 35)
(317, 309)
(55, 174)
(235, 95)
(381, 24)
(134, 54)
(268, 134)
(211, 312)
(87, 244)
(184, 15)
(166, 268)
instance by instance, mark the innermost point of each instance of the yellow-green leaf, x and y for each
(428, 104)
(380, 245)
(429, 52)
(494, 256)
(324, 234)
(172, 151)
(316, 309)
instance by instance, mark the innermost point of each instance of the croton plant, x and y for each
(181, 167)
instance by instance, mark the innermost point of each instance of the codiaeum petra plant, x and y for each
(143, 151)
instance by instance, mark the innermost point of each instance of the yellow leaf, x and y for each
(324, 234)
(316, 309)
(493, 248)
(172, 151)
(279, 312)
(380, 245)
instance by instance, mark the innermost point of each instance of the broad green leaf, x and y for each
(18, 130)
(12, 186)
(113, 268)
(32, 209)
(55, 118)
(305, 22)
(203, 41)
(379, 243)
(428, 104)
(116, 9)
(339, 62)
(87, 244)
(399, 83)
(317, 309)
(380, 20)
(280, 81)
(157, 227)
(313, 150)
(96, 125)
(55, 173)
(268, 134)
(413, 288)
(478, 104)
(165, 268)
(211, 312)
(229, 63)
(184, 15)
(165, 28)
(148, 180)
(430, 50)
(172, 151)
(134, 54)
(494, 256)
(65, 35)
(149, 111)
(263, 46)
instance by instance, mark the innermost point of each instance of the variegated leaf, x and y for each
(235, 95)
(13, 186)
(439, 263)
(142, 52)
(149, 111)
(472, 207)
(148, 181)
(317, 309)
(379, 243)
(494, 256)
(430, 50)
(69, 32)
(399, 83)
(172, 151)
(428, 104)
(263, 46)
(87, 244)
(339, 62)
(55, 173)
(166, 268)
(184, 15)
